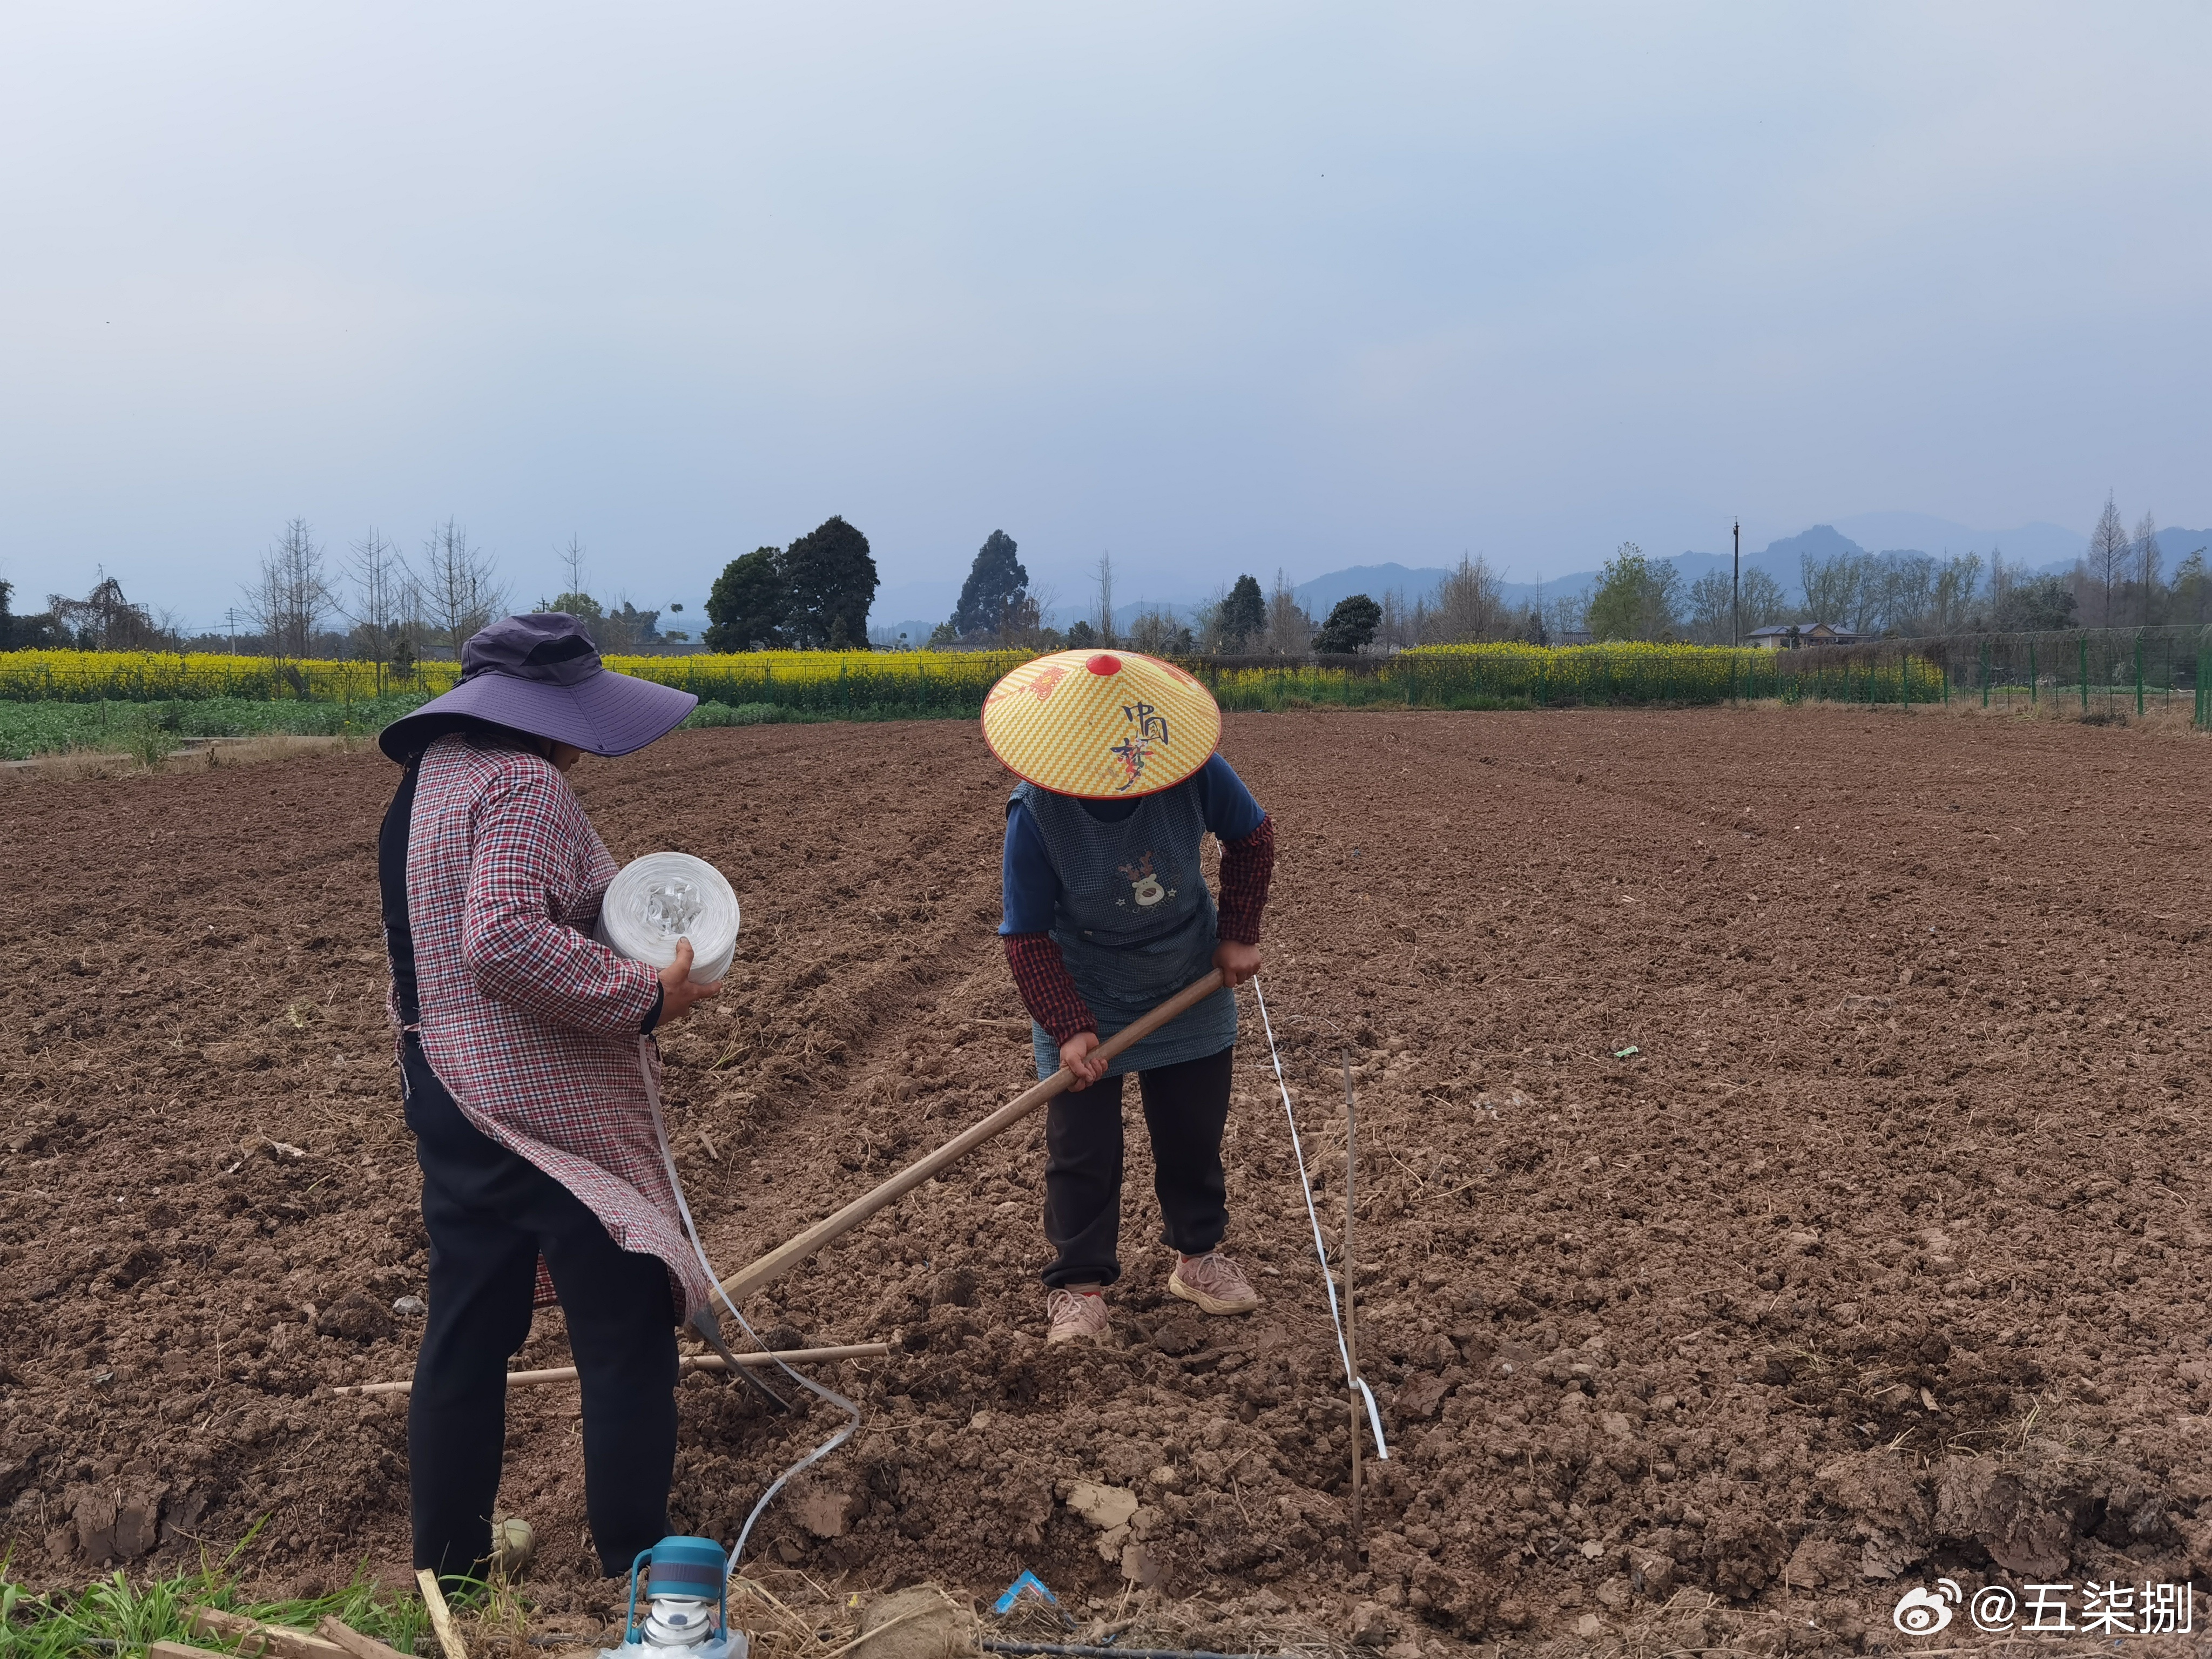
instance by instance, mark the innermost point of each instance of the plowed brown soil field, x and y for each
(1780, 1182)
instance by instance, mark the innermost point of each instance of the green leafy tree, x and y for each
(1351, 624)
(996, 585)
(830, 577)
(582, 606)
(1635, 597)
(749, 604)
(2192, 589)
(1243, 616)
(34, 632)
(625, 628)
(1081, 636)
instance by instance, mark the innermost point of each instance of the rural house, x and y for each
(1789, 637)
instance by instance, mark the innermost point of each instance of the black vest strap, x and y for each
(391, 882)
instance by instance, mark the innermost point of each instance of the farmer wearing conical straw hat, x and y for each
(1107, 915)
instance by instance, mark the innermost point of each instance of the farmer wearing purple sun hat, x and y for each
(518, 1053)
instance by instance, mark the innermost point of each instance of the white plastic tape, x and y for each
(655, 901)
(664, 896)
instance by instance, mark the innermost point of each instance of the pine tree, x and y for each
(1243, 615)
(2108, 555)
(996, 584)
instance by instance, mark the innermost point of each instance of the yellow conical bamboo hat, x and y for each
(1102, 725)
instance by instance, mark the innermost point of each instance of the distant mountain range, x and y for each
(2039, 547)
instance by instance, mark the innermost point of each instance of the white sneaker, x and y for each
(1216, 1284)
(1076, 1317)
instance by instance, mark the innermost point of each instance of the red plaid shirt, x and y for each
(532, 1026)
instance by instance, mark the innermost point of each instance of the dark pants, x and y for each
(489, 1215)
(1185, 1108)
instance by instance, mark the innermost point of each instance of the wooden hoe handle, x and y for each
(782, 1259)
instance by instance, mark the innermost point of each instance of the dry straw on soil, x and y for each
(207, 753)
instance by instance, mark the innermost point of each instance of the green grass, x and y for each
(743, 713)
(43, 728)
(114, 1616)
(152, 729)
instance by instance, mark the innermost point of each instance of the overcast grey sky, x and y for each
(1216, 287)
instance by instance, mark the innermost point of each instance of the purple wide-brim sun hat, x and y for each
(542, 674)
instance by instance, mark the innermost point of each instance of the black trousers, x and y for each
(489, 1215)
(1186, 1108)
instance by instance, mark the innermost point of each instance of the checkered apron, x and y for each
(1134, 922)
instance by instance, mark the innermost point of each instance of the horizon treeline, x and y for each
(377, 603)
(2122, 580)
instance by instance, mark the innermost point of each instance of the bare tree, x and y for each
(1211, 633)
(413, 626)
(1158, 631)
(288, 600)
(572, 560)
(2148, 559)
(2108, 555)
(378, 577)
(104, 620)
(1290, 629)
(1398, 627)
(1842, 590)
(1027, 621)
(460, 585)
(1469, 605)
(1958, 584)
(1568, 614)
(1765, 600)
(2004, 576)
(1713, 608)
(1105, 598)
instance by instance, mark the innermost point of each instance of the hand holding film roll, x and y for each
(663, 897)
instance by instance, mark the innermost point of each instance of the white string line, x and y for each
(1321, 1248)
(691, 1231)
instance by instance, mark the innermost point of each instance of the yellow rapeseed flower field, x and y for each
(1509, 674)
(856, 680)
(863, 683)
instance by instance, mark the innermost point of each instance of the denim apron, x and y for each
(1135, 924)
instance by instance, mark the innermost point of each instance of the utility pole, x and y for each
(1737, 593)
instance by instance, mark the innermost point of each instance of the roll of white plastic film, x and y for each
(666, 896)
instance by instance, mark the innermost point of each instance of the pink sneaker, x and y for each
(1214, 1282)
(1076, 1317)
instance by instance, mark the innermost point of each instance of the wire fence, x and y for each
(2082, 673)
(1510, 675)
